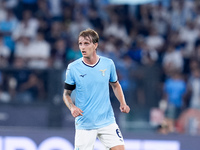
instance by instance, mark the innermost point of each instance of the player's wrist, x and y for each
(123, 104)
(71, 105)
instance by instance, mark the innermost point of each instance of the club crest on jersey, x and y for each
(103, 72)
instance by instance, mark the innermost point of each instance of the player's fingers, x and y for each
(127, 109)
(122, 109)
(79, 112)
(75, 113)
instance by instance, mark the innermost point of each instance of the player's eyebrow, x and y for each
(86, 42)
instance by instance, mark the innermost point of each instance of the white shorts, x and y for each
(110, 136)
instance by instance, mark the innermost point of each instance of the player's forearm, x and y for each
(119, 93)
(67, 99)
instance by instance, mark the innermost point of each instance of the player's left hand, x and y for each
(124, 108)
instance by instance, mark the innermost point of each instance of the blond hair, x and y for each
(91, 34)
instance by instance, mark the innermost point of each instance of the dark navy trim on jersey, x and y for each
(89, 65)
(69, 86)
(114, 81)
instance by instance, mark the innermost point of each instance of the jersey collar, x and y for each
(91, 65)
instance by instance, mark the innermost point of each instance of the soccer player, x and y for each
(90, 76)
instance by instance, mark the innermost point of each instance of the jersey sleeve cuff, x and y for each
(69, 86)
(113, 81)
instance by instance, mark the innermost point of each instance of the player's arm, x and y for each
(75, 111)
(120, 96)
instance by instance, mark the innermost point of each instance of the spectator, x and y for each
(10, 4)
(142, 53)
(3, 12)
(32, 54)
(7, 26)
(188, 34)
(39, 53)
(56, 31)
(22, 51)
(95, 20)
(176, 20)
(43, 27)
(172, 60)
(31, 90)
(196, 53)
(58, 54)
(73, 52)
(28, 26)
(79, 23)
(126, 66)
(194, 88)
(29, 4)
(188, 122)
(55, 8)
(67, 15)
(4, 95)
(135, 51)
(174, 91)
(110, 44)
(154, 40)
(43, 10)
(116, 29)
(4, 53)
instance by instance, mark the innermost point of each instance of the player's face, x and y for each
(87, 48)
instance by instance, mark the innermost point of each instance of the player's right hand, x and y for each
(75, 111)
(124, 108)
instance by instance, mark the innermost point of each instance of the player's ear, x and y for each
(96, 45)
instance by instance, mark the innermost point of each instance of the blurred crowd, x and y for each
(156, 48)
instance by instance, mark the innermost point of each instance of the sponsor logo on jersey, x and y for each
(83, 75)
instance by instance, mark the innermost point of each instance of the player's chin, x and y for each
(84, 55)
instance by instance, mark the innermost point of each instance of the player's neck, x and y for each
(91, 61)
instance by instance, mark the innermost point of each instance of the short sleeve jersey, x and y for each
(92, 92)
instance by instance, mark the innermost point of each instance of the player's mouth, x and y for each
(83, 52)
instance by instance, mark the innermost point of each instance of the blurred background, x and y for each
(155, 45)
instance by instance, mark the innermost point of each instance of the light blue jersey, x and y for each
(92, 92)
